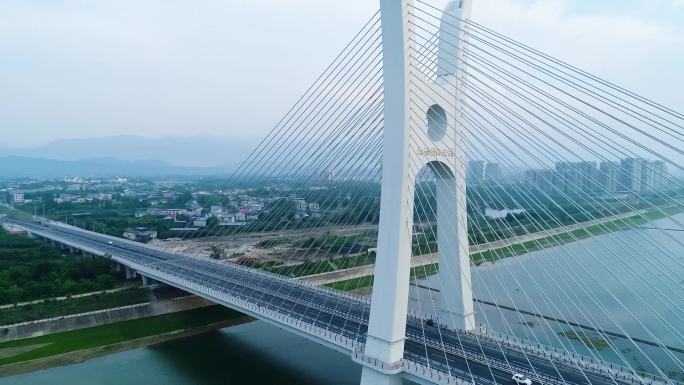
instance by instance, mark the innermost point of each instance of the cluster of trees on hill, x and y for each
(31, 269)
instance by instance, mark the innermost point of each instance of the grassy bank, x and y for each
(58, 308)
(72, 341)
(572, 236)
(367, 281)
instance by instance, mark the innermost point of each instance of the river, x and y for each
(253, 353)
(592, 281)
(628, 282)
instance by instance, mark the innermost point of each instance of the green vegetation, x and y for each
(315, 267)
(318, 267)
(110, 220)
(336, 244)
(575, 235)
(104, 335)
(57, 308)
(367, 281)
(352, 284)
(596, 343)
(32, 269)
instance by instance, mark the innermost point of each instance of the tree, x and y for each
(216, 252)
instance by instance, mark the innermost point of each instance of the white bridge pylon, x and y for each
(408, 147)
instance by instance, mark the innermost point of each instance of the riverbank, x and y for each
(30, 354)
(52, 308)
(360, 279)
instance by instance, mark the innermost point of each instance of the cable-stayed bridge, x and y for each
(390, 135)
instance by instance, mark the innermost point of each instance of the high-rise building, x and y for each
(653, 175)
(475, 171)
(659, 169)
(591, 176)
(647, 176)
(326, 175)
(608, 176)
(577, 177)
(631, 175)
(492, 172)
(541, 180)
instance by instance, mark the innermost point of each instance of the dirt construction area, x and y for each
(264, 246)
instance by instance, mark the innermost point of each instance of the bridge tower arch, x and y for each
(438, 144)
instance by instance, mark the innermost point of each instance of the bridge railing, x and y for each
(217, 295)
(591, 363)
(439, 372)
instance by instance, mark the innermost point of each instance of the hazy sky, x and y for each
(80, 68)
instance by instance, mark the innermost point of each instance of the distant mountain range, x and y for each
(196, 151)
(126, 155)
(19, 166)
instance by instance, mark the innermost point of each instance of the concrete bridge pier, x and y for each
(371, 376)
(147, 281)
(130, 273)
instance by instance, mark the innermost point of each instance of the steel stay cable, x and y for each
(337, 81)
(326, 255)
(600, 157)
(337, 131)
(567, 124)
(335, 111)
(511, 112)
(348, 148)
(467, 278)
(617, 300)
(332, 68)
(636, 275)
(558, 77)
(579, 143)
(470, 285)
(479, 29)
(582, 102)
(577, 70)
(657, 208)
(654, 206)
(588, 312)
(370, 152)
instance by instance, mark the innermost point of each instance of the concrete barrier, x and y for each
(100, 317)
